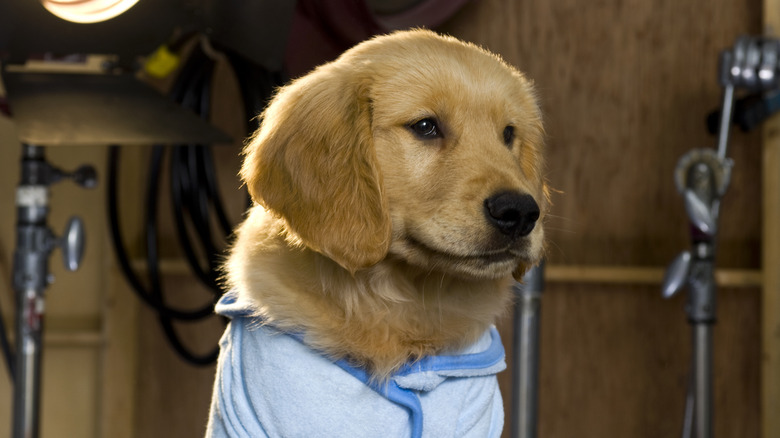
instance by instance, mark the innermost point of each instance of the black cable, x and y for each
(197, 201)
(150, 222)
(188, 74)
(180, 89)
(152, 199)
(184, 352)
(8, 353)
(178, 209)
(201, 196)
(121, 251)
(186, 184)
(210, 179)
(194, 194)
(205, 160)
(188, 195)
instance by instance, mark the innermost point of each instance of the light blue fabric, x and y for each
(270, 384)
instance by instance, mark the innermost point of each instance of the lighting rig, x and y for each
(702, 177)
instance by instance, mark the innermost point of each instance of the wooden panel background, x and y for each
(625, 86)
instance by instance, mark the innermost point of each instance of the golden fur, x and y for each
(369, 239)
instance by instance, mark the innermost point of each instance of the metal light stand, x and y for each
(702, 177)
(525, 370)
(34, 243)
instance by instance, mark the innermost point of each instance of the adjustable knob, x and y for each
(699, 213)
(72, 243)
(85, 176)
(676, 274)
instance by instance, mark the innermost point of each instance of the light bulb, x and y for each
(87, 11)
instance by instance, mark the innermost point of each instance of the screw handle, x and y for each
(85, 176)
(676, 275)
(72, 243)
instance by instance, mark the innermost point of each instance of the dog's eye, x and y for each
(426, 129)
(509, 135)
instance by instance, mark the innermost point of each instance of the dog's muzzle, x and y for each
(513, 214)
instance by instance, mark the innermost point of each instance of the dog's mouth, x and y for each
(493, 256)
(482, 264)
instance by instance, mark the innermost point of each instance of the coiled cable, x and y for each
(195, 198)
(192, 193)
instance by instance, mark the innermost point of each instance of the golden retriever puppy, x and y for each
(397, 190)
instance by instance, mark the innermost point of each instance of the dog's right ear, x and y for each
(312, 162)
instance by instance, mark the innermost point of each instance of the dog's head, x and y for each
(411, 146)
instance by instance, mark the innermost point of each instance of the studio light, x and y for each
(87, 11)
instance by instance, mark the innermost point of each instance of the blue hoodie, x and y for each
(270, 384)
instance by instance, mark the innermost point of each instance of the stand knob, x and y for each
(72, 243)
(676, 274)
(700, 214)
(85, 176)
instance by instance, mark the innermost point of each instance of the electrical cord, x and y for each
(186, 174)
(152, 200)
(189, 202)
(189, 195)
(206, 275)
(180, 89)
(122, 257)
(195, 197)
(210, 178)
(184, 91)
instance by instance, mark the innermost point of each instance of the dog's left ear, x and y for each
(312, 162)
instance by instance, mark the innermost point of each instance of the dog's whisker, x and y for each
(562, 230)
(558, 251)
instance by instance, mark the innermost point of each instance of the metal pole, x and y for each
(725, 120)
(33, 245)
(26, 412)
(526, 346)
(702, 356)
(702, 177)
(701, 315)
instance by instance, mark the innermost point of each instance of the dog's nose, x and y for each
(513, 213)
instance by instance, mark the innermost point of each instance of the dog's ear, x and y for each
(313, 163)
